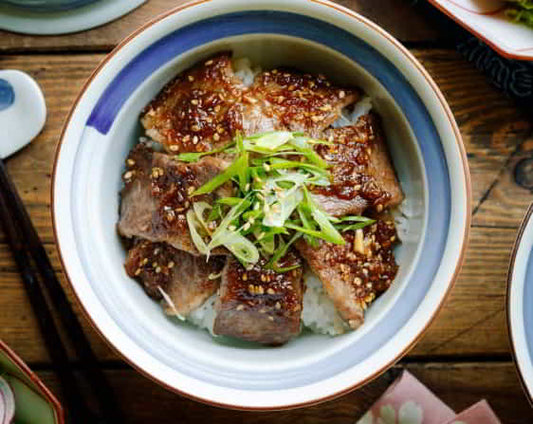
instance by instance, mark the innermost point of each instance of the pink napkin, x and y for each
(408, 401)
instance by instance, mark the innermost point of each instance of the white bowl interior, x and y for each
(183, 346)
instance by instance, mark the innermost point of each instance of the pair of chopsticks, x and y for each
(33, 262)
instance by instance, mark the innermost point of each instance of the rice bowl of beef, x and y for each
(426, 185)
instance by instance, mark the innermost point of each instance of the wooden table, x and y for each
(464, 356)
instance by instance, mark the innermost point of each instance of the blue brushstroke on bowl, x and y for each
(7, 94)
(47, 5)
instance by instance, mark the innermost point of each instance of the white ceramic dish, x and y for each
(520, 302)
(318, 36)
(486, 19)
(22, 20)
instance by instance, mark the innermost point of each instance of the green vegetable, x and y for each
(521, 11)
(195, 157)
(271, 207)
(234, 170)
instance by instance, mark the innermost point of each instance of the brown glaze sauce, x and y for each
(372, 272)
(349, 159)
(261, 289)
(302, 101)
(197, 110)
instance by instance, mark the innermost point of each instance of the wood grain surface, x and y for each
(464, 356)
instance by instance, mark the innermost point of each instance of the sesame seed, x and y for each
(158, 270)
(128, 175)
(342, 94)
(144, 261)
(171, 265)
(130, 162)
(194, 102)
(174, 148)
(216, 137)
(271, 291)
(190, 78)
(186, 138)
(195, 128)
(246, 226)
(209, 62)
(271, 318)
(240, 307)
(195, 139)
(278, 305)
(190, 190)
(138, 271)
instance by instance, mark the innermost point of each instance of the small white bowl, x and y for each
(317, 36)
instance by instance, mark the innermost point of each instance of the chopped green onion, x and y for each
(281, 251)
(357, 226)
(195, 236)
(234, 169)
(195, 157)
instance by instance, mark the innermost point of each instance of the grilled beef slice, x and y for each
(196, 111)
(362, 174)
(356, 273)
(187, 280)
(293, 101)
(156, 196)
(260, 305)
(204, 106)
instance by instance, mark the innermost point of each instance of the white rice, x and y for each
(243, 69)
(319, 314)
(204, 316)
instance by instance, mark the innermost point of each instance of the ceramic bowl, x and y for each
(520, 302)
(486, 19)
(317, 36)
(34, 403)
(48, 5)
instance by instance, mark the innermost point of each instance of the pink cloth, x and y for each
(479, 413)
(408, 401)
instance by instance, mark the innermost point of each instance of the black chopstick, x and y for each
(25, 243)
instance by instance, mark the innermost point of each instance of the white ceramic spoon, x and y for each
(22, 111)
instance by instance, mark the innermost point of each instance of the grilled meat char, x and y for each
(156, 196)
(196, 112)
(260, 305)
(362, 173)
(204, 107)
(354, 274)
(288, 100)
(187, 280)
